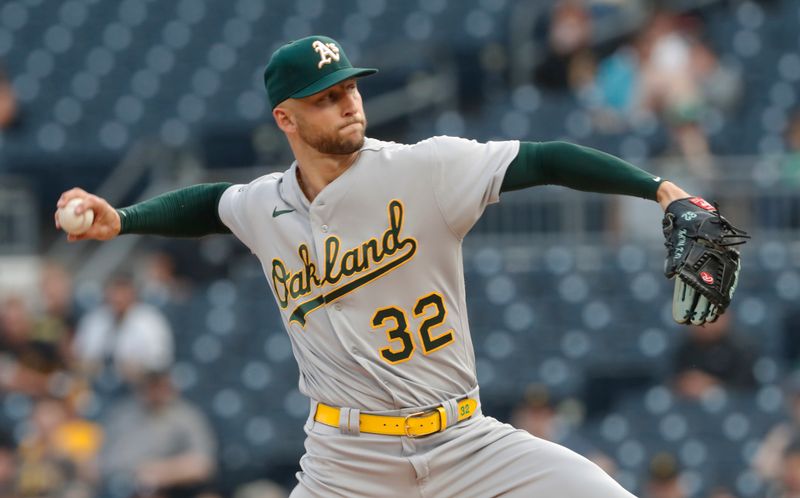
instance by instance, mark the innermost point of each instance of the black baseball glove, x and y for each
(700, 256)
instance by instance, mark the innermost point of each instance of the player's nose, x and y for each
(350, 104)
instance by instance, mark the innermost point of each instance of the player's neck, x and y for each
(316, 171)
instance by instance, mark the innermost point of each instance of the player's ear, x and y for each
(284, 118)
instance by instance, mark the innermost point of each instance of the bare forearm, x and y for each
(668, 192)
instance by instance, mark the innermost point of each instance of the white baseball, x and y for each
(74, 224)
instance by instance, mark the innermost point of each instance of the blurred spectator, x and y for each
(668, 72)
(24, 364)
(570, 60)
(787, 482)
(538, 415)
(720, 84)
(663, 479)
(779, 208)
(260, 489)
(680, 79)
(670, 89)
(55, 322)
(721, 492)
(768, 459)
(157, 444)
(8, 466)
(57, 451)
(8, 102)
(791, 163)
(613, 95)
(125, 334)
(162, 285)
(711, 356)
(790, 350)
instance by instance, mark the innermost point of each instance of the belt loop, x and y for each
(451, 409)
(312, 412)
(475, 394)
(349, 421)
(355, 421)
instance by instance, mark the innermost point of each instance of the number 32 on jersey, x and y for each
(430, 308)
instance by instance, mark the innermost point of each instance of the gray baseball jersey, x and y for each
(369, 279)
(369, 276)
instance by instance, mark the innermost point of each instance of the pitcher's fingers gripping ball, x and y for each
(700, 255)
(72, 222)
(86, 216)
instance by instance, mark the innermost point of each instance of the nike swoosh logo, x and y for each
(276, 212)
(657, 179)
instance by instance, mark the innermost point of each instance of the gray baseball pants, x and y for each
(477, 458)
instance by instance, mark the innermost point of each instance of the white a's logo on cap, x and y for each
(328, 52)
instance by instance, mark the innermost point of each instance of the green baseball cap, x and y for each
(307, 66)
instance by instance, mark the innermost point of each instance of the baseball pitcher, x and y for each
(360, 243)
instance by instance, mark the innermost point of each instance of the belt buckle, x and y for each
(407, 427)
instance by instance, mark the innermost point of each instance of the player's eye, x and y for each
(326, 99)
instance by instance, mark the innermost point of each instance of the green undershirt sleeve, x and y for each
(186, 212)
(579, 168)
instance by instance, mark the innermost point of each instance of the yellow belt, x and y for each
(413, 425)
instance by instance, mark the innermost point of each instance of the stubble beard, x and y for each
(332, 143)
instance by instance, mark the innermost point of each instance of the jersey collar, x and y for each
(290, 187)
(291, 192)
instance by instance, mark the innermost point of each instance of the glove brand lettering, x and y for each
(702, 203)
(363, 260)
(689, 215)
(681, 245)
(707, 278)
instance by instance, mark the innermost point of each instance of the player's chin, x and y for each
(353, 140)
